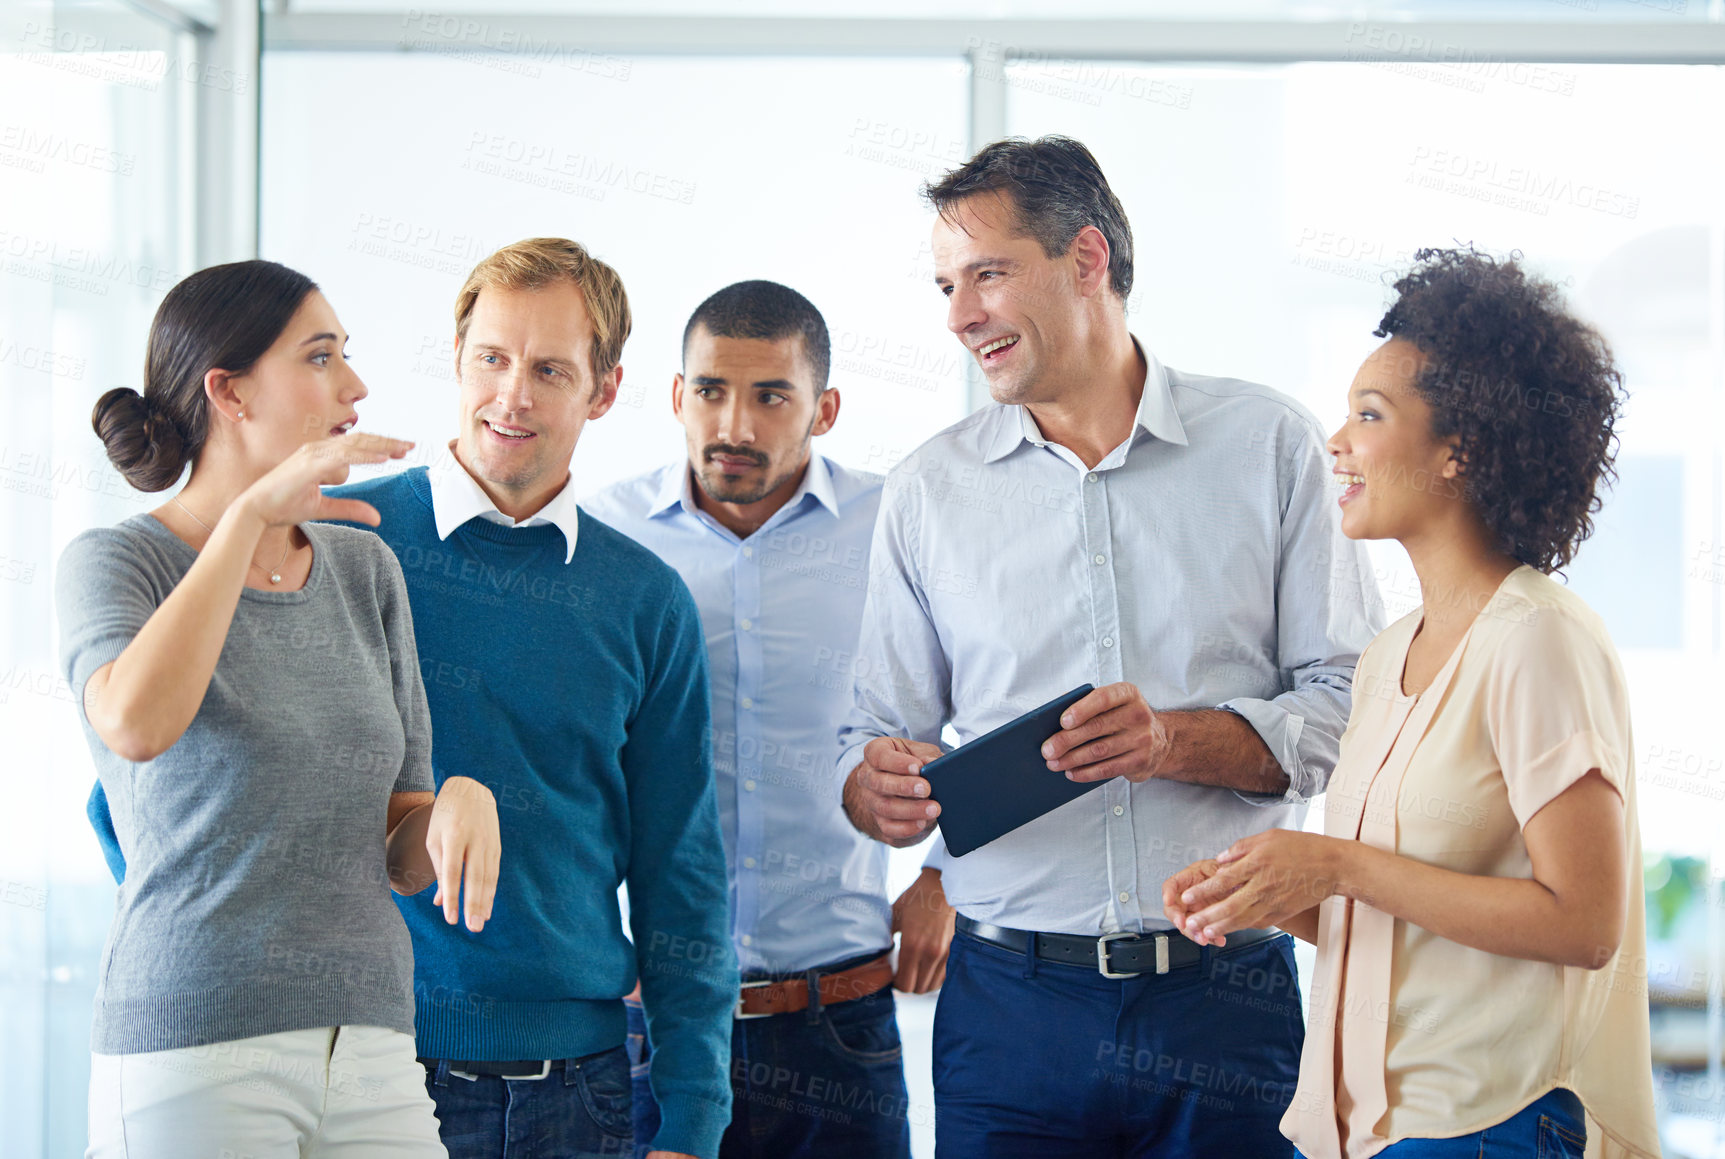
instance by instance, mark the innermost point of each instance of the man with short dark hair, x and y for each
(1167, 538)
(773, 541)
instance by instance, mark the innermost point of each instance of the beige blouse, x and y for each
(1414, 1036)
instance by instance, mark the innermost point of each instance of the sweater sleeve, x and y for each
(678, 909)
(102, 821)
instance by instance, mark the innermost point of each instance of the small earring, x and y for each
(239, 416)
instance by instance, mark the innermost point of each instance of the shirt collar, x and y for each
(1156, 414)
(457, 498)
(817, 481)
(676, 489)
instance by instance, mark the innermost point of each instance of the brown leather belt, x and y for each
(789, 995)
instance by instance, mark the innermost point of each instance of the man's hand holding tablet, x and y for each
(1112, 732)
(886, 796)
(1100, 733)
(997, 782)
(997, 779)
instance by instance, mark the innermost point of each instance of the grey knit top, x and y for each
(256, 898)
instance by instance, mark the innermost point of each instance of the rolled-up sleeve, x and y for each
(1326, 613)
(902, 674)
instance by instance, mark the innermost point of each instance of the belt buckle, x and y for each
(738, 1014)
(1102, 955)
(544, 1070)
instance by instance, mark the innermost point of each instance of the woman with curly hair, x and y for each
(1476, 895)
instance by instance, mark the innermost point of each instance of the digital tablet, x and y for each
(1001, 780)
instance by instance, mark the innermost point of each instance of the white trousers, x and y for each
(344, 1092)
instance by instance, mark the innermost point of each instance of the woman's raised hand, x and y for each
(292, 492)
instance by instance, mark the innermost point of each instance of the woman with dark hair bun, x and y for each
(251, 695)
(1476, 895)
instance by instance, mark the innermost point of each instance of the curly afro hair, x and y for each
(1529, 390)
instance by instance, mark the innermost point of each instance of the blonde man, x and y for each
(584, 708)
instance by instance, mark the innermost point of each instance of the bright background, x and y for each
(1277, 161)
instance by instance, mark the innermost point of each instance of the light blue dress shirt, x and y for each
(1202, 560)
(781, 610)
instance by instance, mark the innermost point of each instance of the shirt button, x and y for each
(748, 703)
(1124, 896)
(1090, 478)
(747, 940)
(1101, 559)
(748, 625)
(1107, 642)
(748, 863)
(749, 786)
(749, 552)
(1119, 810)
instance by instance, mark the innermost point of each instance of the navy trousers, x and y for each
(1041, 1060)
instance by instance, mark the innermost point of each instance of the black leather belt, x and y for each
(536, 1068)
(1120, 955)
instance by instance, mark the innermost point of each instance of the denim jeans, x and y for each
(1550, 1127)
(578, 1111)
(1041, 1060)
(827, 1083)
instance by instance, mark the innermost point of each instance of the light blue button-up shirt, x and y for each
(781, 611)
(1202, 560)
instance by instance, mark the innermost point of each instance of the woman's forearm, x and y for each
(410, 865)
(1303, 925)
(1515, 917)
(143, 702)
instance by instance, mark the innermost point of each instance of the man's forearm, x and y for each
(852, 797)
(1212, 746)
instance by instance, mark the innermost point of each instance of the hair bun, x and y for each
(143, 444)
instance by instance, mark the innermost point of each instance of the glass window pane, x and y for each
(685, 174)
(94, 231)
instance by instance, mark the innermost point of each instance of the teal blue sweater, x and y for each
(578, 694)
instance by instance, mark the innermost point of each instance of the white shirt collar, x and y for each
(457, 498)
(1156, 415)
